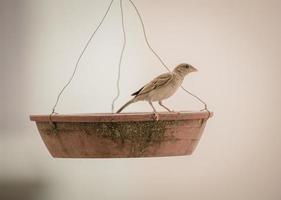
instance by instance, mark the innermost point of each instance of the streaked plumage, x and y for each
(162, 87)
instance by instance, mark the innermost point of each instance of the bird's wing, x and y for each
(159, 81)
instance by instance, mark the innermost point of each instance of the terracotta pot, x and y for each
(121, 135)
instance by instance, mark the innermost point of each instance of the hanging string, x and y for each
(159, 58)
(145, 36)
(79, 58)
(121, 58)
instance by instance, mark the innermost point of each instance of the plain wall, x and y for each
(236, 46)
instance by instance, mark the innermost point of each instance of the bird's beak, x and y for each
(193, 69)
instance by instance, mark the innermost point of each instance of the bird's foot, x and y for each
(156, 116)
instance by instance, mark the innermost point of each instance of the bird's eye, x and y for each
(187, 66)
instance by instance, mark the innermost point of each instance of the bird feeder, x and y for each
(123, 135)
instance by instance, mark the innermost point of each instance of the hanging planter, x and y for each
(121, 135)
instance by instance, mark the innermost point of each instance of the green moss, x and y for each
(139, 135)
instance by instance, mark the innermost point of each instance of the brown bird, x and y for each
(162, 87)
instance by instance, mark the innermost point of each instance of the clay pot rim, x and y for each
(122, 117)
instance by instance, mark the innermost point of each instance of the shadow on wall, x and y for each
(22, 189)
(12, 39)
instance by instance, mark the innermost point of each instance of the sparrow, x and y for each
(161, 87)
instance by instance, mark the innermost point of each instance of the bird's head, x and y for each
(184, 69)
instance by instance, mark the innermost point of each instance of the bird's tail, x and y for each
(125, 105)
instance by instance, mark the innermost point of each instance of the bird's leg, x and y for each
(161, 104)
(156, 116)
(152, 106)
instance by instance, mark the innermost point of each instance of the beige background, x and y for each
(235, 44)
